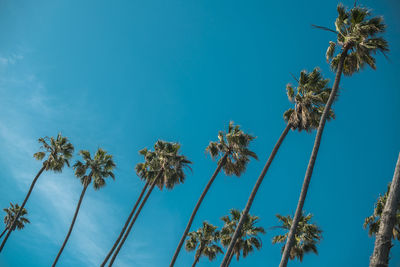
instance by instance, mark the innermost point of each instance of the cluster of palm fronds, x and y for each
(357, 40)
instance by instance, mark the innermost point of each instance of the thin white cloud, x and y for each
(57, 194)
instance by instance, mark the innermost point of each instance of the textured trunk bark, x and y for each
(72, 224)
(126, 225)
(383, 242)
(133, 220)
(253, 195)
(22, 206)
(196, 209)
(311, 163)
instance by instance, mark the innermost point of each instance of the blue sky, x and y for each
(120, 75)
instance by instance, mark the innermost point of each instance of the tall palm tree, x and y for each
(205, 240)
(309, 99)
(163, 167)
(308, 235)
(388, 222)
(373, 222)
(59, 152)
(358, 39)
(95, 170)
(233, 154)
(248, 236)
(125, 225)
(12, 212)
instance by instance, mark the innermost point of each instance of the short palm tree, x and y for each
(12, 212)
(307, 236)
(163, 167)
(58, 151)
(358, 39)
(388, 222)
(233, 154)
(309, 98)
(205, 239)
(95, 170)
(248, 236)
(372, 222)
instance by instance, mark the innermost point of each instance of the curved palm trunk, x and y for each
(22, 206)
(253, 195)
(383, 241)
(196, 208)
(133, 220)
(230, 258)
(126, 225)
(196, 260)
(311, 163)
(5, 230)
(72, 225)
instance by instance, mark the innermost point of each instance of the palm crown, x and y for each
(235, 145)
(12, 212)
(373, 221)
(100, 167)
(358, 34)
(307, 236)
(205, 240)
(59, 152)
(249, 234)
(164, 162)
(309, 98)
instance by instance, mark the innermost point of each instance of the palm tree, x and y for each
(358, 39)
(163, 167)
(309, 99)
(388, 221)
(205, 240)
(94, 170)
(233, 155)
(248, 236)
(125, 225)
(12, 212)
(307, 236)
(59, 152)
(372, 222)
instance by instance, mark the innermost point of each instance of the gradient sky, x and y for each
(122, 74)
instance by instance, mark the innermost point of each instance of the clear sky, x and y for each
(122, 74)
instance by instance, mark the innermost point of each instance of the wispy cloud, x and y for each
(24, 98)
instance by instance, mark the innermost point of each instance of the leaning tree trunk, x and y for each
(230, 258)
(22, 206)
(5, 230)
(189, 224)
(383, 242)
(133, 220)
(72, 223)
(311, 163)
(196, 260)
(126, 225)
(253, 195)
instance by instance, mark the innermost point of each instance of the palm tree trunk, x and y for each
(22, 206)
(196, 260)
(189, 224)
(253, 195)
(383, 241)
(311, 163)
(72, 224)
(230, 258)
(126, 225)
(133, 220)
(3, 232)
